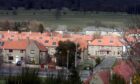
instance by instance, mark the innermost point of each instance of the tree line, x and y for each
(129, 6)
(21, 26)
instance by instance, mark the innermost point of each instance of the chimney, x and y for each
(28, 41)
(89, 42)
(30, 32)
(51, 35)
(8, 31)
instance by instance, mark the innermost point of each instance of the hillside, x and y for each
(86, 5)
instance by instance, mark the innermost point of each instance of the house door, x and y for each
(107, 52)
(17, 59)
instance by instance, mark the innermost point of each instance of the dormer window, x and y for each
(12, 35)
(28, 37)
(46, 41)
(9, 39)
(111, 41)
(40, 37)
(54, 43)
(99, 41)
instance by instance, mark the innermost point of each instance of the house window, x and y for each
(10, 50)
(119, 48)
(12, 35)
(21, 58)
(46, 41)
(10, 58)
(21, 51)
(107, 52)
(99, 41)
(27, 37)
(118, 53)
(9, 39)
(40, 37)
(32, 51)
(54, 43)
(111, 41)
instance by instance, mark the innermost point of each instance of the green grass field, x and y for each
(71, 19)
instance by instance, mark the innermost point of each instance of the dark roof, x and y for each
(93, 28)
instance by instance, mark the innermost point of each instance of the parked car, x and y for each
(19, 63)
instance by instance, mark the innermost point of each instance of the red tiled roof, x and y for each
(46, 36)
(107, 41)
(20, 44)
(87, 81)
(133, 31)
(104, 75)
(124, 69)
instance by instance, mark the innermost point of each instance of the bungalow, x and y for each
(102, 30)
(29, 51)
(61, 29)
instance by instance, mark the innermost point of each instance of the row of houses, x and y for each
(36, 46)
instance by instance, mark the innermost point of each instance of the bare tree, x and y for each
(35, 26)
(132, 40)
(97, 35)
(6, 25)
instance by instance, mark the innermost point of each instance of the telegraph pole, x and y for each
(67, 63)
(67, 59)
(76, 56)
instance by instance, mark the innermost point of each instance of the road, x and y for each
(9, 69)
(12, 69)
(107, 63)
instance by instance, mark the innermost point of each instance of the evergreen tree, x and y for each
(64, 49)
(98, 61)
(41, 28)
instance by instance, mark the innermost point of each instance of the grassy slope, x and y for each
(71, 19)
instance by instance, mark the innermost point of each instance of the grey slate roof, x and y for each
(61, 28)
(93, 28)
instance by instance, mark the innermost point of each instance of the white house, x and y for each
(106, 46)
(102, 30)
